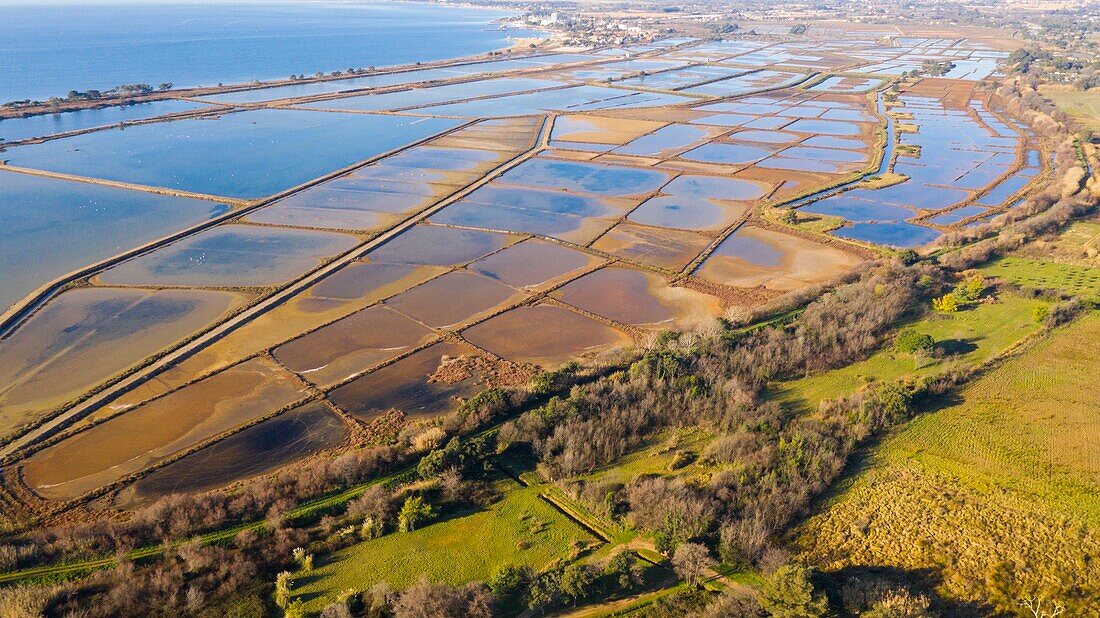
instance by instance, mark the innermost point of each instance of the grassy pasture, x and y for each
(999, 492)
(968, 338)
(1028, 272)
(1082, 105)
(655, 458)
(520, 528)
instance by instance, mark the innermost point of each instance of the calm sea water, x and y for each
(48, 50)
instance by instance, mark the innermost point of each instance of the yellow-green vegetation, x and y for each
(519, 529)
(907, 150)
(965, 338)
(1068, 262)
(810, 222)
(675, 453)
(1074, 280)
(1084, 106)
(882, 181)
(999, 494)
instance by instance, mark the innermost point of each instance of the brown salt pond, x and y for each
(434, 245)
(601, 130)
(755, 256)
(453, 298)
(159, 429)
(352, 344)
(350, 289)
(545, 335)
(665, 248)
(406, 385)
(85, 336)
(532, 263)
(639, 298)
(259, 449)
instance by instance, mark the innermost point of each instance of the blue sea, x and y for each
(49, 49)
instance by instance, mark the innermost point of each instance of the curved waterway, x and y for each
(50, 49)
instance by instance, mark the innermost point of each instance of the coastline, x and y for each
(517, 45)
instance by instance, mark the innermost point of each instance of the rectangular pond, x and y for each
(86, 336)
(51, 227)
(753, 256)
(232, 256)
(439, 94)
(13, 129)
(591, 178)
(243, 155)
(544, 335)
(264, 447)
(155, 431)
(352, 344)
(406, 386)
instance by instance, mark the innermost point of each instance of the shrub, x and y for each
(948, 303)
(1040, 313)
(789, 593)
(909, 341)
(413, 513)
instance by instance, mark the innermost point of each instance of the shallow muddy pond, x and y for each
(686, 213)
(406, 386)
(715, 187)
(755, 256)
(665, 141)
(665, 248)
(855, 209)
(271, 444)
(14, 129)
(544, 335)
(585, 177)
(532, 263)
(232, 256)
(897, 234)
(85, 336)
(455, 297)
(725, 153)
(355, 343)
(436, 245)
(50, 227)
(154, 431)
(638, 298)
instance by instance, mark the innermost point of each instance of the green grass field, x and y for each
(999, 492)
(1068, 278)
(967, 338)
(655, 458)
(1082, 105)
(520, 528)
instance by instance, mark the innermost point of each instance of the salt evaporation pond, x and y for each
(51, 227)
(13, 129)
(242, 155)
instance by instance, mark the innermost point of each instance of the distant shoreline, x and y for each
(63, 105)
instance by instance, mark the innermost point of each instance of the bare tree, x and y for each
(691, 562)
(1036, 606)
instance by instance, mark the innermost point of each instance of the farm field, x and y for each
(992, 486)
(519, 529)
